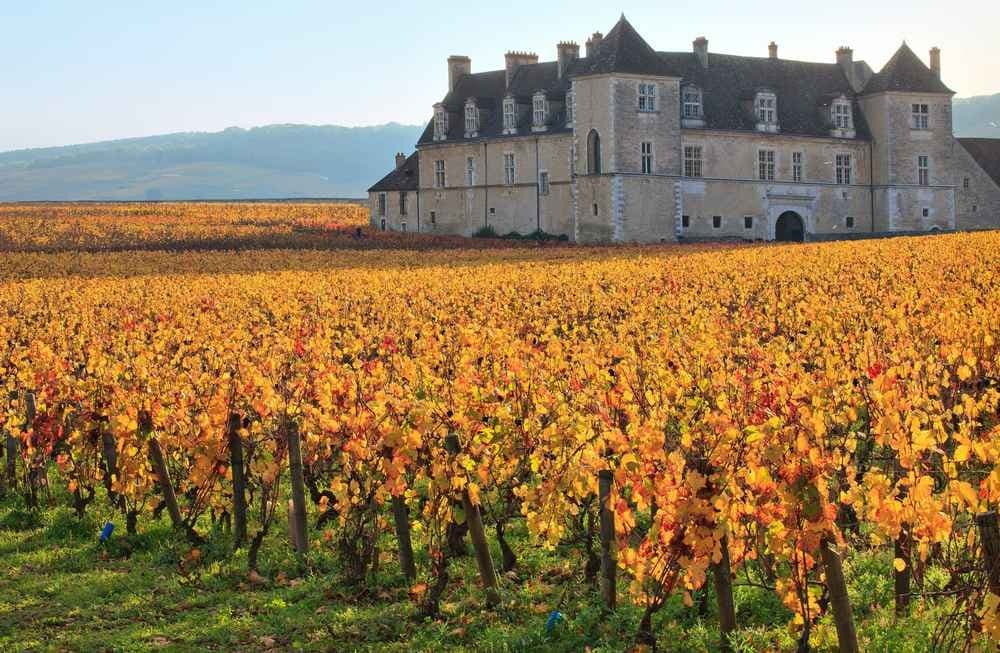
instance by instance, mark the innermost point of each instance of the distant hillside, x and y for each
(977, 116)
(277, 161)
(261, 163)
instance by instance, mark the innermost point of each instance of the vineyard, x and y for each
(672, 448)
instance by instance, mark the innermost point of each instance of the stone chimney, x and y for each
(772, 50)
(845, 59)
(458, 66)
(515, 60)
(936, 61)
(701, 49)
(567, 52)
(400, 160)
(593, 42)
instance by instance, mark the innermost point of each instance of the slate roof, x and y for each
(804, 89)
(986, 152)
(403, 178)
(906, 72)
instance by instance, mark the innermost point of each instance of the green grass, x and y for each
(61, 591)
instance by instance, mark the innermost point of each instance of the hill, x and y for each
(277, 161)
(977, 116)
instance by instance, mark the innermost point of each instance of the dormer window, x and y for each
(509, 116)
(647, 97)
(766, 110)
(842, 115)
(692, 103)
(471, 119)
(570, 108)
(440, 122)
(539, 112)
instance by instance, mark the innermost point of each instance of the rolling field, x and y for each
(326, 441)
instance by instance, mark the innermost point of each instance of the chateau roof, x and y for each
(986, 152)
(906, 72)
(624, 51)
(403, 178)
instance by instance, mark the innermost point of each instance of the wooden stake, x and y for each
(609, 565)
(239, 480)
(160, 467)
(989, 536)
(298, 485)
(477, 533)
(723, 576)
(401, 517)
(847, 637)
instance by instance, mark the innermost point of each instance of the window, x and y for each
(923, 170)
(381, 204)
(402, 225)
(593, 153)
(595, 208)
(842, 117)
(471, 119)
(716, 222)
(796, 166)
(509, 171)
(382, 224)
(647, 158)
(570, 108)
(540, 113)
(439, 174)
(685, 221)
(692, 102)
(692, 160)
(767, 108)
(470, 171)
(921, 116)
(844, 169)
(765, 165)
(493, 210)
(974, 208)
(926, 213)
(647, 97)
(849, 221)
(965, 183)
(748, 222)
(509, 114)
(402, 203)
(440, 123)
(543, 182)
(434, 217)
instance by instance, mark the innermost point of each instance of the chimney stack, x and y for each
(593, 42)
(845, 59)
(567, 52)
(936, 61)
(701, 49)
(772, 50)
(400, 160)
(514, 60)
(458, 66)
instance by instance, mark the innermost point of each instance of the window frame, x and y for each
(509, 169)
(920, 116)
(440, 174)
(844, 168)
(849, 222)
(404, 200)
(570, 108)
(646, 157)
(693, 165)
(767, 169)
(440, 123)
(383, 204)
(716, 222)
(798, 166)
(697, 104)
(748, 222)
(543, 182)
(471, 118)
(923, 170)
(509, 114)
(647, 97)
(470, 171)
(842, 114)
(766, 115)
(685, 222)
(539, 111)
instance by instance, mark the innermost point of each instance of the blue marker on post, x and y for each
(106, 532)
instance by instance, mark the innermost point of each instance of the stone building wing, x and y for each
(905, 72)
(404, 178)
(803, 89)
(986, 152)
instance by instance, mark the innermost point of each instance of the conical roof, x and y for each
(623, 50)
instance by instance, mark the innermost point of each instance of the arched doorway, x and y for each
(593, 153)
(789, 228)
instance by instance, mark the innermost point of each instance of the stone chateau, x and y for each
(629, 144)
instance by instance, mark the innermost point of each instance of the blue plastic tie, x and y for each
(106, 532)
(554, 617)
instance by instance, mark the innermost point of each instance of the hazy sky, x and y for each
(78, 72)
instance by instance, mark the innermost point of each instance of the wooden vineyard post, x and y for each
(477, 534)
(160, 468)
(609, 565)
(298, 519)
(401, 517)
(11, 447)
(989, 536)
(239, 480)
(843, 617)
(723, 577)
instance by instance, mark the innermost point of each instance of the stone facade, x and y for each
(612, 148)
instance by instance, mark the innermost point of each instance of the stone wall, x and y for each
(978, 206)
(395, 220)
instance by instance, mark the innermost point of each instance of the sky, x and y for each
(78, 72)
